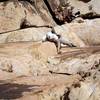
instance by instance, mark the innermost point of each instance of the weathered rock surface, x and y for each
(25, 58)
(67, 10)
(81, 34)
(43, 11)
(87, 91)
(16, 16)
(74, 65)
(29, 73)
(91, 6)
(38, 13)
(34, 70)
(32, 76)
(37, 88)
(28, 34)
(10, 18)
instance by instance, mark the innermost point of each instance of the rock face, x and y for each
(28, 34)
(88, 31)
(25, 58)
(88, 90)
(81, 34)
(41, 13)
(67, 10)
(86, 6)
(31, 59)
(75, 65)
(10, 18)
(32, 70)
(23, 14)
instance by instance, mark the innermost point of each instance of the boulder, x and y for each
(85, 6)
(88, 31)
(10, 16)
(73, 65)
(28, 34)
(14, 16)
(69, 35)
(37, 13)
(43, 11)
(25, 58)
(81, 34)
(87, 91)
(68, 10)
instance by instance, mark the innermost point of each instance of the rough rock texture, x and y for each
(67, 10)
(89, 90)
(20, 15)
(32, 76)
(40, 13)
(33, 70)
(88, 31)
(82, 63)
(43, 12)
(10, 18)
(89, 8)
(81, 34)
(25, 58)
(28, 34)
(37, 88)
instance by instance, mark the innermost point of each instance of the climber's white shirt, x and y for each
(50, 36)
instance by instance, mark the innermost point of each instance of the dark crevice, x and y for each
(53, 14)
(26, 27)
(66, 95)
(9, 31)
(90, 15)
(59, 73)
(85, 1)
(66, 15)
(75, 85)
(25, 24)
(49, 8)
(62, 13)
(12, 91)
(84, 74)
(3, 0)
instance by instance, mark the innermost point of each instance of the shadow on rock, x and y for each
(14, 90)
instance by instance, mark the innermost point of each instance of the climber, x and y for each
(52, 36)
